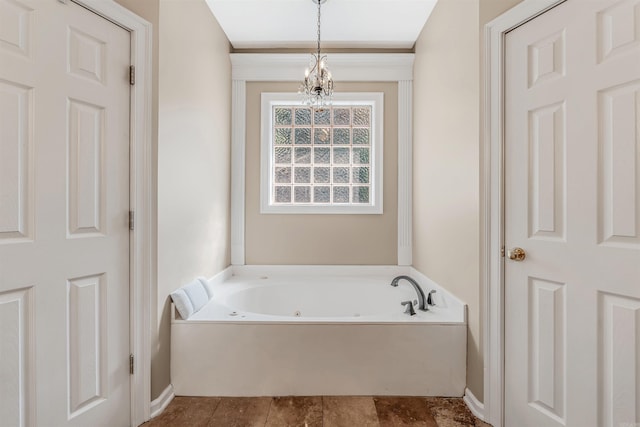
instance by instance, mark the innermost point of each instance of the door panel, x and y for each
(17, 389)
(572, 174)
(547, 145)
(547, 341)
(86, 169)
(16, 165)
(619, 344)
(87, 342)
(618, 192)
(64, 202)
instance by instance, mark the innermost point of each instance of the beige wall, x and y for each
(447, 158)
(191, 120)
(490, 9)
(321, 239)
(194, 141)
(445, 164)
(191, 123)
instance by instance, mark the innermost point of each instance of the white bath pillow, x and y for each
(183, 303)
(197, 294)
(205, 284)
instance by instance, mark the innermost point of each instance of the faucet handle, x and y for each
(429, 299)
(410, 311)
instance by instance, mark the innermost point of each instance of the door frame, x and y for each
(142, 261)
(492, 209)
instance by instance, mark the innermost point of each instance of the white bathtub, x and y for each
(272, 331)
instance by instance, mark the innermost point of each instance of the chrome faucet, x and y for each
(422, 305)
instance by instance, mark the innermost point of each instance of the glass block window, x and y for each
(331, 163)
(322, 161)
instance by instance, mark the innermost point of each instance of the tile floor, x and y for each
(325, 411)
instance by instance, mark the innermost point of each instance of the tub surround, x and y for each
(264, 354)
(304, 359)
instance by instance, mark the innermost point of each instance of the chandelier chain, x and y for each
(319, 2)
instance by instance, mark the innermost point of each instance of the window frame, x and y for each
(269, 100)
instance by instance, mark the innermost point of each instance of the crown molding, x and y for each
(344, 66)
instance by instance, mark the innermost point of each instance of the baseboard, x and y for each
(475, 406)
(159, 405)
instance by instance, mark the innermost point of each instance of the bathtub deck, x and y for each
(317, 412)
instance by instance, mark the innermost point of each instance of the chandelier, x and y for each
(317, 87)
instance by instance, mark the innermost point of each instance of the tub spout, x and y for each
(422, 305)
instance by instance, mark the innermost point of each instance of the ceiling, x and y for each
(388, 24)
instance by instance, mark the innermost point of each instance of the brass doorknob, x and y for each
(517, 254)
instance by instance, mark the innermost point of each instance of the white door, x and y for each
(64, 202)
(572, 202)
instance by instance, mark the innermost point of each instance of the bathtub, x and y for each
(274, 331)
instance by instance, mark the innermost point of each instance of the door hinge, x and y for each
(132, 75)
(131, 364)
(131, 221)
(502, 252)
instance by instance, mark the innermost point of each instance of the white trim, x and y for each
(493, 201)
(142, 202)
(160, 404)
(405, 172)
(377, 67)
(344, 66)
(475, 406)
(238, 144)
(373, 99)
